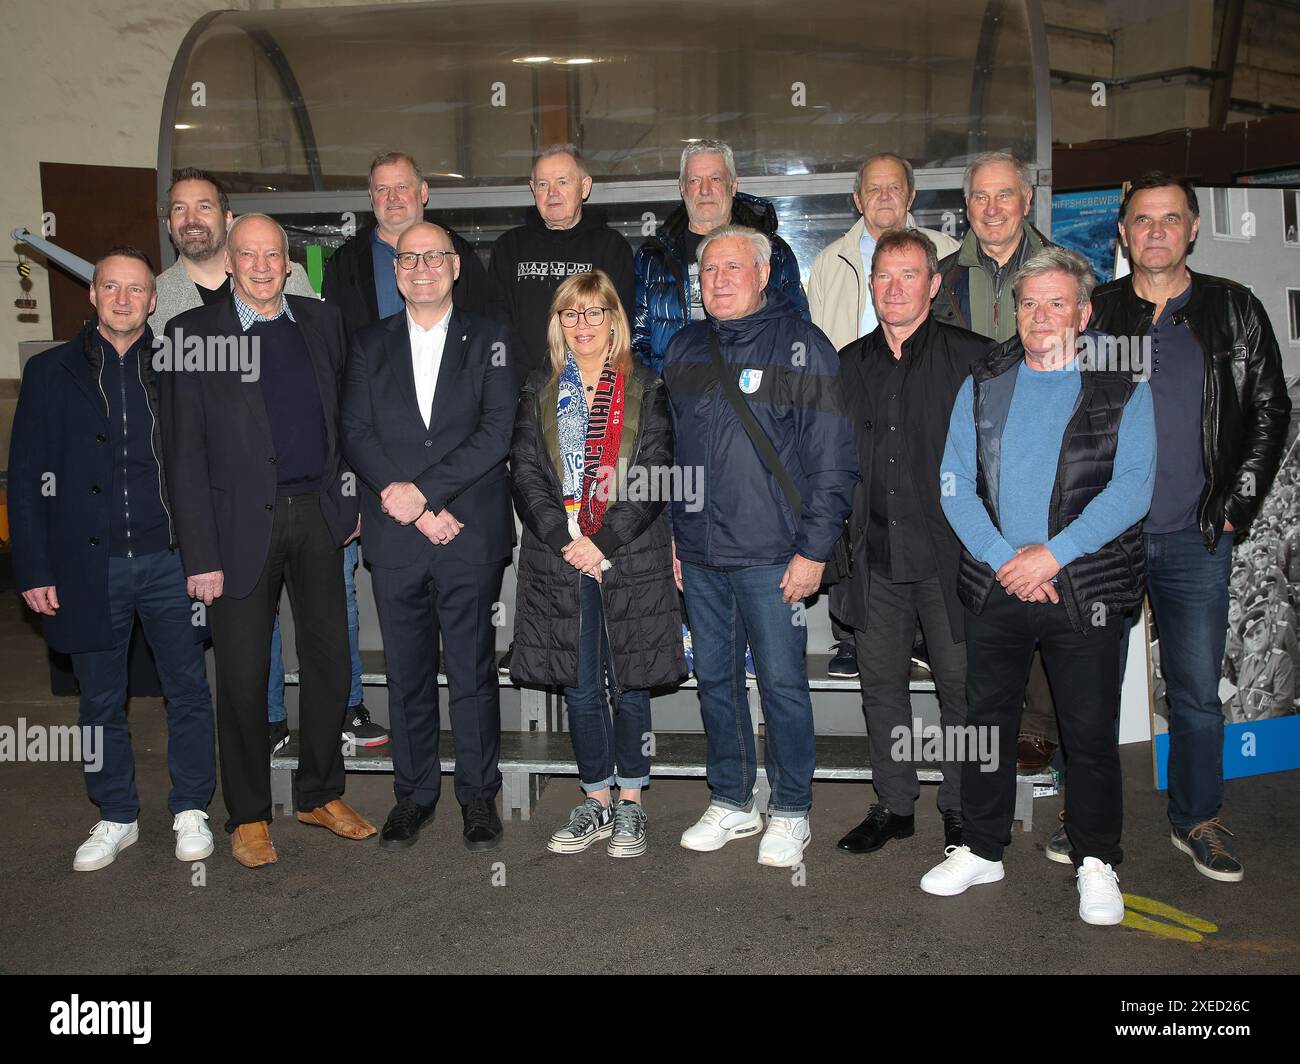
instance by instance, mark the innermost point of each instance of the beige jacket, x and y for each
(837, 295)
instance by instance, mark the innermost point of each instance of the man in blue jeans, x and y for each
(747, 558)
(358, 728)
(94, 547)
(1221, 411)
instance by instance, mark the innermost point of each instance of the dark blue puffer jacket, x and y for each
(789, 374)
(662, 300)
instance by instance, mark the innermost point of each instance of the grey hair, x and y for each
(1058, 260)
(907, 170)
(984, 159)
(230, 233)
(570, 150)
(761, 245)
(708, 147)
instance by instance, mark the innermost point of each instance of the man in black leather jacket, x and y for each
(1221, 419)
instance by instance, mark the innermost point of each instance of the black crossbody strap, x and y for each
(727, 379)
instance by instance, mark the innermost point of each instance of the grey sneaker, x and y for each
(1210, 851)
(1058, 846)
(587, 823)
(629, 831)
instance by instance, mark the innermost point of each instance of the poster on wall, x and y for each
(1085, 222)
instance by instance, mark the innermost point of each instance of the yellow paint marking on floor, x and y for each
(1156, 927)
(1168, 912)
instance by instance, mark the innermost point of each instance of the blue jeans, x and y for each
(1189, 595)
(152, 586)
(725, 609)
(275, 711)
(609, 750)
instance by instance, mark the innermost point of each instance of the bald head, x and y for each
(257, 256)
(427, 267)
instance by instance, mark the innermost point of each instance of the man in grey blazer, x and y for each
(198, 216)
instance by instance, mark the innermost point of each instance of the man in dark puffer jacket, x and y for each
(667, 274)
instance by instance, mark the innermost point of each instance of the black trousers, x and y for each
(415, 604)
(303, 555)
(884, 667)
(1086, 670)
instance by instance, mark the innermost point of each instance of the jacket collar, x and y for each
(969, 255)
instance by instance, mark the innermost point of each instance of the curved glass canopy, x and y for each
(288, 107)
(305, 98)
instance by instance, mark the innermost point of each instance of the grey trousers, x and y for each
(884, 661)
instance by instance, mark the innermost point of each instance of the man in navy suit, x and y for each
(428, 411)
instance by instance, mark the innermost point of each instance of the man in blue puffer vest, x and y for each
(745, 557)
(667, 276)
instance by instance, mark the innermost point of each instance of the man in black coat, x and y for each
(262, 498)
(94, 546)
(359, 276)
(898, 385)
(427, 416)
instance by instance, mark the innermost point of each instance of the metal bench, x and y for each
(529, 759)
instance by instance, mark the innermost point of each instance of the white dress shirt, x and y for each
(426, 359)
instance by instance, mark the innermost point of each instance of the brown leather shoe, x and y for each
(250, 844)
(341, 819)
(1033, 755)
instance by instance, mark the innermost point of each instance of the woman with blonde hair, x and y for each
(596, 603)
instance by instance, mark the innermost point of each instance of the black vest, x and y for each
(1095, 587)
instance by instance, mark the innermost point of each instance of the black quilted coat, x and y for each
(642, 610)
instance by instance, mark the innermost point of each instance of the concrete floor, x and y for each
(335, 906)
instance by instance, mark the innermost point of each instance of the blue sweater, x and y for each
(1031, 446)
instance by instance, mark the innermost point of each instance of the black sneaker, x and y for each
(402, 828)
(360, 730)
(844, 665)
(1210, 851)
(587, 823)
(1058, 846)
(503, 666)
(919, 671)
(279, 730)
(483, 828)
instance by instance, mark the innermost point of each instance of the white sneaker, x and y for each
(107, 838)
(784, 841)
(719, 825)
(1100, 901)
(962, 869)
(193, 836)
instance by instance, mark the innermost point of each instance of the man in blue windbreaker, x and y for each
(749, 549)
(667, 270)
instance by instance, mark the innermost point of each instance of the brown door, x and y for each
(94, 208)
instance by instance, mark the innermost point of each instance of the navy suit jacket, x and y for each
(458, 461)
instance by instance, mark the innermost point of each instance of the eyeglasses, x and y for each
(409, 260)
(594, 316)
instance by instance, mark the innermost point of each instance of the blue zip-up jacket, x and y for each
(789, 375)
(662, 278)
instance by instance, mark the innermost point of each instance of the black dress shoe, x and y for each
(951, 832)
(880, 826)
(402, 827)
(482, 825)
